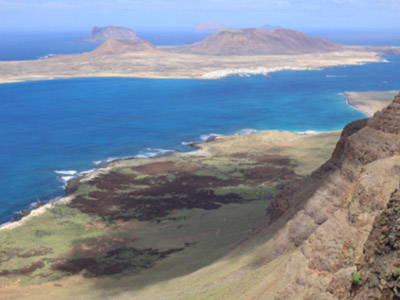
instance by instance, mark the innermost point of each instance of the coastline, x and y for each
(369, 102)
(166, 65)
(201, 148)
(352, 99)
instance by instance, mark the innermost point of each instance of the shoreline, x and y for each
(199, 149)
(350, 104)
(369, 102)
(166, 65)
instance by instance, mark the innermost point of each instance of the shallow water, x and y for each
(69, 125)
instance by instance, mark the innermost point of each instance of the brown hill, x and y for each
(210, 27)
(259, 41)
(112, 47)
(102, 34)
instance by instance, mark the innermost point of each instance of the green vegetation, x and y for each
(382, 220)
(357, 279)
(45, 238)
(249, 193)
(149, 221)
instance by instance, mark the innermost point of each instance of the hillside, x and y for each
(102, 34)
(326, 224)
(141, 222)
(115, 47)
(260, 41)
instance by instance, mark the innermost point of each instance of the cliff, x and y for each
(344, 217)
(102, 34)
(260, 41)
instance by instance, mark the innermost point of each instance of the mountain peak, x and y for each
(102, 34)
(257, 41)
(114, 46)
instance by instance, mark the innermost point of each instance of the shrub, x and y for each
(357, 280)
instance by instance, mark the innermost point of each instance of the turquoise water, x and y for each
(51, 129)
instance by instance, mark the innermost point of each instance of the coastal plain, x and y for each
(164, 63)
(184, 226)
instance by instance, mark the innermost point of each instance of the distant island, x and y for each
(232, 51)
(254, 41)
(102, 34)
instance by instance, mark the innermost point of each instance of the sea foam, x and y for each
(150, 153)
(247, 131)
(247, 72)
(66, 172)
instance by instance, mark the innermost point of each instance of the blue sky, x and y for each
(81, 15)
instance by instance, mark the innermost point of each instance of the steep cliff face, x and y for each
(325, 221)
(379, 267)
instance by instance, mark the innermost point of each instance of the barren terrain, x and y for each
(167, 64)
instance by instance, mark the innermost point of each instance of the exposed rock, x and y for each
(102, 34)
(388, 119)
(328, 219)
(259, 41)
(380, 264)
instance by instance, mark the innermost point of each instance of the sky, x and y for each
(82, 15)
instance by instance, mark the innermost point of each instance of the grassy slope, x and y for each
(205, 235)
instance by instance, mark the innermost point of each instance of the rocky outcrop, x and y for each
(255, 41)
(326, 221)
(379, 268)
(387, 120)
(102, 34)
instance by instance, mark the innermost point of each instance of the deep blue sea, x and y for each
(32, 46)
(51, 130)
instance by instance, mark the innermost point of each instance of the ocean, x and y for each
(51, 131)
(32, 46)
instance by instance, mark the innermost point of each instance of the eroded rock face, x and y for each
(379, 266)
(329, 221)
(388, 119)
